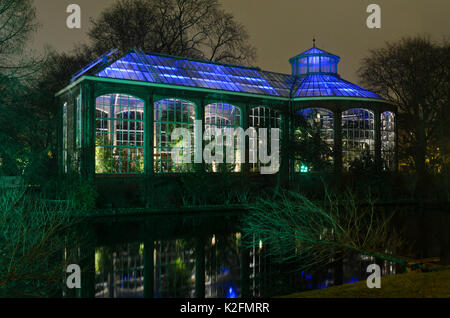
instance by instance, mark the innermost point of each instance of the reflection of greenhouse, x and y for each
(120, 270)
(118, 113)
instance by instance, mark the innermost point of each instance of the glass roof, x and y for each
(314, 61)
(156, 68)
(330, 86)
(314, 50)
(185, 72)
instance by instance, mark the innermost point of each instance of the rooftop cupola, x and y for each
(314, 61)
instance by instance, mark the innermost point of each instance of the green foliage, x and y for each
(83, 197)
(178, 274)
(104, 259)
(25, 149)
(33, 236)
(109, 160)
(221, 188)
(103, 157)
(307, 146)
(364, 163)
(311, 233)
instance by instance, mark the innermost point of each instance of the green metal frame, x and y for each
(171, 87)
(177, 108)
(238, 119)
(90, 87)
(115, 145)
(351, 151)
(272, 119)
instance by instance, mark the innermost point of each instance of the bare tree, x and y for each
(17, 22)
(413, 74)
(227, 40)
(189, 28)
(312, 234)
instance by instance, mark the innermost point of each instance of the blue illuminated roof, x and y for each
(314, 61)
(161, 69)
(169, 70)
(330, 86)
(315, 51)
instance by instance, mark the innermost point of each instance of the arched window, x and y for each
(225, 117)
(388, 139)
(262, 117)
(119, 134)
(321, 119)
(358, 135)
(318, 121)
(171, 114)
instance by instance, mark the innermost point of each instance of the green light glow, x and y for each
(304, 169)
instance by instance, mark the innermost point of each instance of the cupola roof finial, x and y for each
(314, 42)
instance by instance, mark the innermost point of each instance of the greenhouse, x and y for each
(118, 113)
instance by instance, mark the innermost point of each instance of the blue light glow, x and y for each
(224, 270)
(314, 61)
(167, 70)
(230, 293)
(330, 85)
(316, 75)
(325, 284)
(306, 276)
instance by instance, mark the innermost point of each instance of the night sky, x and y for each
(280, 29)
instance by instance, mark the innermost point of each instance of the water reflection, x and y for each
(120, 268)
(184, 257)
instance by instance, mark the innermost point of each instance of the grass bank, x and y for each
(414, 285)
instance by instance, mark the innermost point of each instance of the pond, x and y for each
(174, 251)
(186, 256)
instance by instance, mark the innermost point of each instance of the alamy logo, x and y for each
(74, 19)
(227, 145)
(374, 280)
(74, 279)
(374, 19)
